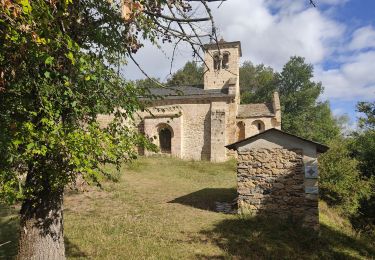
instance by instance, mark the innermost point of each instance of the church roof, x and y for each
(254, 110)
(185, 92)
(223, 44)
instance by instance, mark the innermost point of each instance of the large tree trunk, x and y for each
(41, 233)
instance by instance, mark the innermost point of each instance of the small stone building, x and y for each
(196, 122)
(277, 174)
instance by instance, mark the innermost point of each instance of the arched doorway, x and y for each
(165, 140)
(240, 131)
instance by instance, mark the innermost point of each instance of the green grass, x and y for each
(8, 231)
(162, 208)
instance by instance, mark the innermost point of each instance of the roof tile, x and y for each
(252, 110)
(182, 92)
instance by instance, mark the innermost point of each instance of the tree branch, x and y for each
(176, 19)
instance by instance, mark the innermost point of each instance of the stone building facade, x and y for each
(277, 174)
(197, 122)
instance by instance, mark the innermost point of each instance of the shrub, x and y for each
(341, 183)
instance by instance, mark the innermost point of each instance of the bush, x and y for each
(363, 149)
(341, 183)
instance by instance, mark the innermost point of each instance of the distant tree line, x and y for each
(347, 170)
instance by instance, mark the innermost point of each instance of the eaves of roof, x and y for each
(321, 148)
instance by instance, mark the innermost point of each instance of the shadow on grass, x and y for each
(206, 198)
(273, 238)
(72, 250)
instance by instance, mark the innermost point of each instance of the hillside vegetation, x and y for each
(163, 208)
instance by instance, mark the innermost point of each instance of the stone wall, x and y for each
(219, 116)
(196, 131)
(231, 126)
(152, 125)
(193, 122)
(251, 126)
(272, 182)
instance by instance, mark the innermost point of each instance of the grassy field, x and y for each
(162, 208)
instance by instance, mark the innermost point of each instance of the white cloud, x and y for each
(271, 38)
(273, 30)
(157, 62)
(363, 38)
(267, 36)
(352, 80)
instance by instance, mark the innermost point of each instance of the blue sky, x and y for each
(359, 12)
(354, 14)
(337, 37)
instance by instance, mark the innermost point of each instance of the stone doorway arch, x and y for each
(165, 139)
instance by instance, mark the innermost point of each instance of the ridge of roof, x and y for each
(192, 91)
(321, 148)
(220, 42)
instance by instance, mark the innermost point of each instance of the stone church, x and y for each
(197, 122)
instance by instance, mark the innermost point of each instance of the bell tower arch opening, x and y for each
(225, 60)
(216, 58)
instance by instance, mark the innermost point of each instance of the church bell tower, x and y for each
(222, 66)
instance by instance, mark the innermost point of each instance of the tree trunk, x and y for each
(41, 232)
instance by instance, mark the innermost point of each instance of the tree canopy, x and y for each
(256, 83)
(302, 112)
(363, 149)
(56, 77)
(59, 69)
(190, 74)
(340, 178)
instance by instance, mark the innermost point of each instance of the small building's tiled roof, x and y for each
(185, 92)
(254, 110)
(320, 148)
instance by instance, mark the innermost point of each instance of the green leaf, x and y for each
(70, 56)
(70, 43)
(26, 6)
(49, 60)
(47, 74)
(30, 146)
(16, 142)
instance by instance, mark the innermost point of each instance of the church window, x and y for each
(225, 62)
(216, 61)
(240, 131)
(259, 126)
